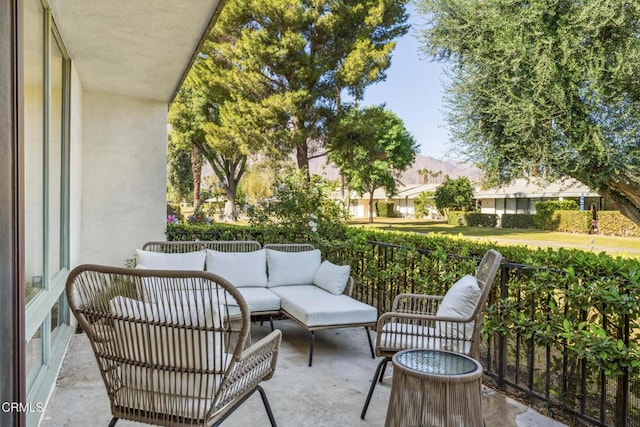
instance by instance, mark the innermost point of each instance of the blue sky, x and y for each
(413, 91)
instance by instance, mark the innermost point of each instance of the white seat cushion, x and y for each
(292, 268)
(260, 299)
(314, 306)
(240, 268)
(178, 261)
(402, 336)
(332, 278)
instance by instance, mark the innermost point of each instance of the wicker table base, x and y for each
(435, 388)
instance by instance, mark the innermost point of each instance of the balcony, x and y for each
(331, 393)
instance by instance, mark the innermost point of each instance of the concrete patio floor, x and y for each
(331, 393)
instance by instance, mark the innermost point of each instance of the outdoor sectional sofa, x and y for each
(279, 279)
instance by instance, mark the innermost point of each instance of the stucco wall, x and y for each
(124, 176)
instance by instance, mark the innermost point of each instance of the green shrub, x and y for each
(516, 221)
(385, 209)
(610, 223)
(472, 219)
(301, 210)
(456, 218)
(423, 203)
(476, 219)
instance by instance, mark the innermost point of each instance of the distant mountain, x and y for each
(454, 169)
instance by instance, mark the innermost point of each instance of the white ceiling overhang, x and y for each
(139, 48)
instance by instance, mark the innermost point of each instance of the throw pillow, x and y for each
(331, 277)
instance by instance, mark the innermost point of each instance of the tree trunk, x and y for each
(371, 207)
(230, 209)
(302, 155)
(302, 148)
(196, 167)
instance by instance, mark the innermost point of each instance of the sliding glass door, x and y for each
(46, 195)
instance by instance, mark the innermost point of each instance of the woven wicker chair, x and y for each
(170, 345)
(413, 323)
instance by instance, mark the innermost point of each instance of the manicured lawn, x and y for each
(531, 238)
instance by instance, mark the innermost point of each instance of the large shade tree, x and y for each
(375, 149)
(196, 120)
(288, 63)
(454, 194)
(544, 88)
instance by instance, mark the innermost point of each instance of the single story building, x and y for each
(403, 200)
(518, 197)
(521, 196)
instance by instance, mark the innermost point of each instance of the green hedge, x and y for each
(472, 219)
(610, 223)
(358, 236)
(572, 221)
(552, 216)
(546, 217)
(613, 223)
(588, 280)
(481, 220)
(516, 221)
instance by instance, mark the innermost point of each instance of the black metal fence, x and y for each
(526, 351)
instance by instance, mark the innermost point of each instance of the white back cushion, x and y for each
(292, 268)
(331, 277)
(242, 269)
(161, 261)
(460, 301)
(174, 345)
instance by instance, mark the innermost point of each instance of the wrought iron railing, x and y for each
(523, 353)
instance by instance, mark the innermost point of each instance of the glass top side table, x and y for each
(435, 388)
(436, 362)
